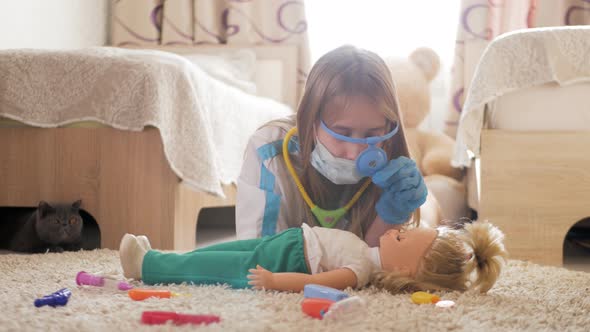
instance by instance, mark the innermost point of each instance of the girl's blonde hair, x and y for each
(470, 256)
(346, 72)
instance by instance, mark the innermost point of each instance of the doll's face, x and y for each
(356, 117)
(403, 252)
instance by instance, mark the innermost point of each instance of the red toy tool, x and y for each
(316, 307)
(161, 317)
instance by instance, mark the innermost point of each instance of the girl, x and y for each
(422, 258)
(346, 128)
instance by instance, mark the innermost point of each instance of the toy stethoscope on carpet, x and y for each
(368, 162)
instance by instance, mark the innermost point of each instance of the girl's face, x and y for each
(356, 117)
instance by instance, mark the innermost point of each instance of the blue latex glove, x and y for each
(403, 190)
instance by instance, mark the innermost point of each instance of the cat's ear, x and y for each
(77, 204)
(44, 208)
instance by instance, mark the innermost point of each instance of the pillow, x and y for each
(235, 68)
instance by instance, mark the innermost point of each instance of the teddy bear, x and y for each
(432, 151)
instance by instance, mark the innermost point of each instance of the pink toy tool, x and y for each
(84, 278)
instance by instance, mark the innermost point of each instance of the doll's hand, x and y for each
(403, 190)
(260, 278)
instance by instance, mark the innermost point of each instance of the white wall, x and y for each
(53, 23)
(391, 28)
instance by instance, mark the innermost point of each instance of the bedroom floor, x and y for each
(526, 298)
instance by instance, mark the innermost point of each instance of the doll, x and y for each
(421, 258)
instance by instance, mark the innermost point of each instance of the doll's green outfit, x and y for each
(229, 262)
(292, 250)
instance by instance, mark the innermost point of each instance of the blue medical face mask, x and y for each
(369, 160)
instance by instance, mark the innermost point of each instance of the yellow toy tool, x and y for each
(424, 298)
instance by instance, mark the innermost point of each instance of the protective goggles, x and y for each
(371, 159)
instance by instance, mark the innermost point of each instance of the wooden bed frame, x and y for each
(122, 177)
(535, 186)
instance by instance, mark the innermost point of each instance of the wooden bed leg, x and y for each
(186, 213)
(188, 204)
(535, 189)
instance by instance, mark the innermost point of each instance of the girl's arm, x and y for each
(378, 228)
(287, 281)
(430, 216)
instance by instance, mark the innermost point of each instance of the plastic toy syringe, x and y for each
(58, 298)
(84, 278)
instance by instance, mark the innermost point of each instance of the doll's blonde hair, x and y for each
(470, 256)
(346, 72)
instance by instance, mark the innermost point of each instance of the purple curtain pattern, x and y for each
(198, 22)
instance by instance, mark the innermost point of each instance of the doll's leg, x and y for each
(279, 253)
(240, 245)
(199, 267)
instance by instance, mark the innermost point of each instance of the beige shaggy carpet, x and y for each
(527, 297)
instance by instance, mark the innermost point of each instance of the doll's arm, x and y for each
(289, 281)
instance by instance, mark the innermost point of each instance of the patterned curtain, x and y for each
(483, 20)
(196, 22)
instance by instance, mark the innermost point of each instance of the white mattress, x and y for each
(518, 61)
(545, 107)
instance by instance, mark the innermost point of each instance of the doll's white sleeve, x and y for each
(343, 249)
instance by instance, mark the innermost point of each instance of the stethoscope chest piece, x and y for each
(371, 160)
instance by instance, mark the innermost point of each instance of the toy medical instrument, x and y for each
(445, 304)
(323, 292)
(58, 298)
(326, 218)
(316, 308)
(139, 294)
(424, 298)
(84, 278)
(373, 158)
(161, 317)
(350, 308)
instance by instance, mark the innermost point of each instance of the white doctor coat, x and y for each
(268, 200)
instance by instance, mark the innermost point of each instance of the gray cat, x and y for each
(55, 228)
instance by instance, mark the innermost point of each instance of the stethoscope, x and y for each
(368, 162)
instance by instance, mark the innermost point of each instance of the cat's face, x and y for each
(60, 223)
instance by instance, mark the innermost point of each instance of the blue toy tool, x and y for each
(60, 297)
(323, 292)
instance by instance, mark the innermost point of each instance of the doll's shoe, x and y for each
(144, 242)
(131, 253)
